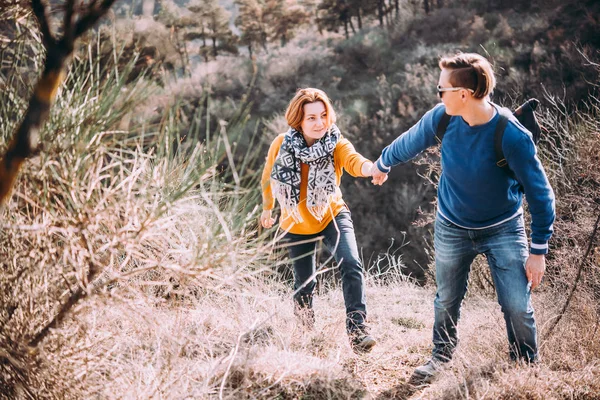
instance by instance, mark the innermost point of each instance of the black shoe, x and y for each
(362, 343)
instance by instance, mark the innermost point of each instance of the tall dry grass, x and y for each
(111, 218)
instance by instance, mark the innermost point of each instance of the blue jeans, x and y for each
(343, 246)
(506, 249)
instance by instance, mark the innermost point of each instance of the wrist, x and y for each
(538, 248)
(366, 168)
(382, 167)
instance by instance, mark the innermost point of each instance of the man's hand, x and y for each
(266, 220)
(378, 177)
(535, 268)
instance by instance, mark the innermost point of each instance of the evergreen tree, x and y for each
(283, 17)
(333, 13)
(170, 16)
(251, 21)
(211, 21)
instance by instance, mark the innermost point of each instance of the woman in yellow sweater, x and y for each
(303, 171)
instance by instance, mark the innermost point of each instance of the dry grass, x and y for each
(243, 342)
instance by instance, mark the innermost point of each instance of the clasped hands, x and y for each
(378, 177)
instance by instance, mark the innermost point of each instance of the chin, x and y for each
(448, 110)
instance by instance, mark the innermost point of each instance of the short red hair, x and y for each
(295, 111)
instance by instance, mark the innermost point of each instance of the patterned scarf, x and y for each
(285, 176)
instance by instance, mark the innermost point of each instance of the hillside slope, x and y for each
(201, 349)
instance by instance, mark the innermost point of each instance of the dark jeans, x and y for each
(339, 239)
(505, 247)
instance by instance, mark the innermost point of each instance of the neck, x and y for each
(309, 141)
(478, 113)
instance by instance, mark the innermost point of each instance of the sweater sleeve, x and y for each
(351, 160)
(267, 195)
(412, 142)
(523, 161)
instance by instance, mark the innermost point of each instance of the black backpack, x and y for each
(525, 114)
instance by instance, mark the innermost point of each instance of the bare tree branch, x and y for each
(25, 140)
(94, 13)
(69, 21)
(40, 10)
(66, 307)
(579, 272)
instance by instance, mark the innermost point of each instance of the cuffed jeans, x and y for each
(339, 239)
(506, 249)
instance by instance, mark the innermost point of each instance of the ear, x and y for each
(463, 96)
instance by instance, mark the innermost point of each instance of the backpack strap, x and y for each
(441, 128)
(498, 135)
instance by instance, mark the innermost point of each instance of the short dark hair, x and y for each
(471, 71)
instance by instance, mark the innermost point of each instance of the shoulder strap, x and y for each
(441, 128)
(498, 135)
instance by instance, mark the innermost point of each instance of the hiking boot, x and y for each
(362, 343)
(427, 372)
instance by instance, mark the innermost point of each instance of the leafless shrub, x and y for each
(110, 218)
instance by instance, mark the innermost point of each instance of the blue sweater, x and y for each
(473, 192)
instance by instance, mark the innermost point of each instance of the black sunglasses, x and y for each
(441, 90)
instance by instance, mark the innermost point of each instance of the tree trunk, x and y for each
(426, 6)
(346, 29)
(440, 4)
(214, 46)
(397, 6)
(387, 11)
(264, 41)
(380, 11)
(182, 51)
(359, 18)
(352, 26)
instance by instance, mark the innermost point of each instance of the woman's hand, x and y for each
(266, 220)
(378, 177)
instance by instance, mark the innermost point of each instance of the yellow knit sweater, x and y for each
(345, 157)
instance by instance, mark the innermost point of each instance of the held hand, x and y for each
(378, 177)
(535, 268)
(266, 220)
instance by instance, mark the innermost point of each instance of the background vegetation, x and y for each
(145, 197)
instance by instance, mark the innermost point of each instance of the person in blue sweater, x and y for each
(479, 206)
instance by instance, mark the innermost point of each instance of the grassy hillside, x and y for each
(200, 348)
(145, 199)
